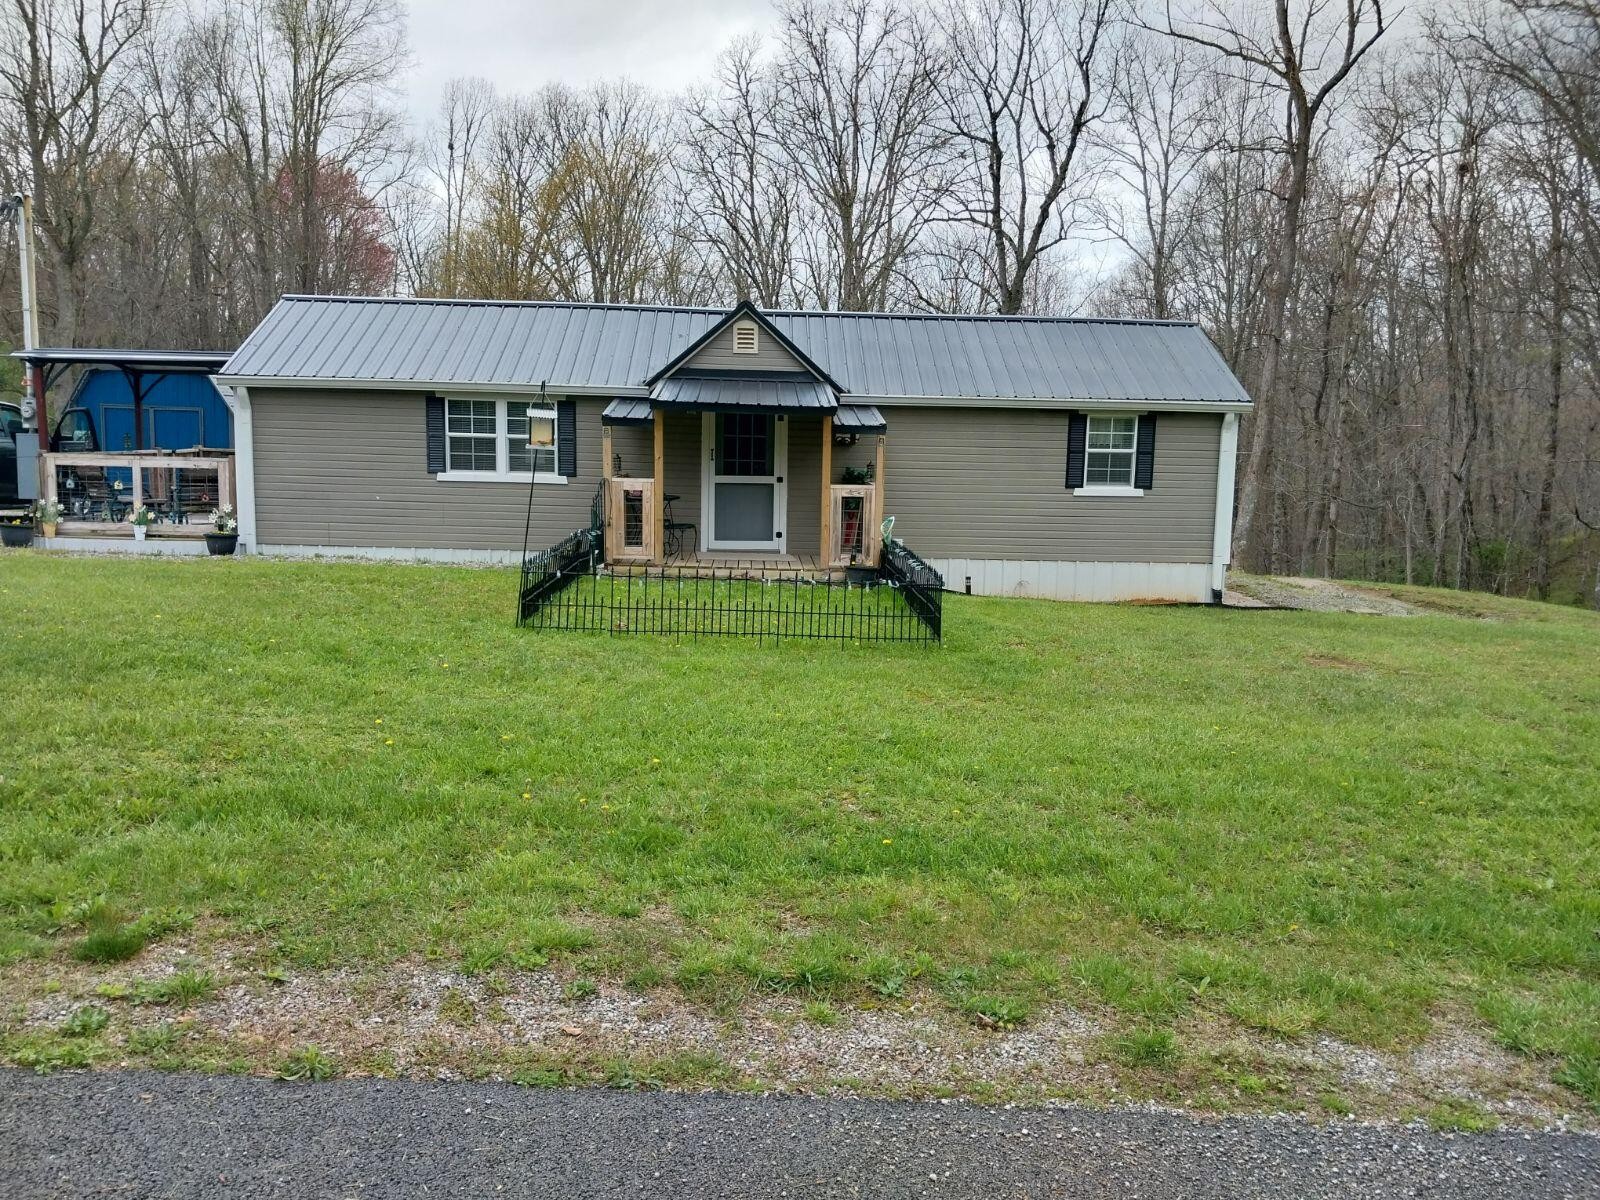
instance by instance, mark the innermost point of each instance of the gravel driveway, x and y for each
(138, 1134)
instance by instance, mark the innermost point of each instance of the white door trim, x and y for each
(780, 486)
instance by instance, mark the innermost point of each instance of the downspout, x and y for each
(244, 468)
(1222, 524)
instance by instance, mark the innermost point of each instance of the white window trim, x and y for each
(502, 449)
(1111, 489)
(1107, 489)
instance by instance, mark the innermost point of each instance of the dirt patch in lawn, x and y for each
(423, 1020)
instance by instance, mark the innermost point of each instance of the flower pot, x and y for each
(16, 535)
(138, 533)
(221, 543)
(49, 528)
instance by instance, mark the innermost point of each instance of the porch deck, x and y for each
(741, 565)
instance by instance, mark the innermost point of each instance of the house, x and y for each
(1068, 457)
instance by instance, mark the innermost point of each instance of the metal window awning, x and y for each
(723, 394)
(859, 418)
(626, 410)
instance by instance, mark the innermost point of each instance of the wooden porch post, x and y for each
(827, 491)
(658, 493)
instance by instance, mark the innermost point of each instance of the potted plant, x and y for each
(139, 518)
(224, 535)
(49, 514)
(17, 531)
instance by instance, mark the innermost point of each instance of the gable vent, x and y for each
(746, 338)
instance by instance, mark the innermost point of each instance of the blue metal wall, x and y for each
(181, 411)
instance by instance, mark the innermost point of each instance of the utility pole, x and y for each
(20, 209)
(31, 438)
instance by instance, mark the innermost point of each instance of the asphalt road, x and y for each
(135, 1134)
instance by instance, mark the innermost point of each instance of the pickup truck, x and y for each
(10, 426)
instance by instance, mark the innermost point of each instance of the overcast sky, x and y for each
(521, 46)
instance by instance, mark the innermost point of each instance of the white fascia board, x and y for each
(422, 385)
(1026, 402)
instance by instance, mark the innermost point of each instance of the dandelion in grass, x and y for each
(505, 737)
(388, 741)
(655, 762)
(888, 841)
(527, 795)
(378, 721)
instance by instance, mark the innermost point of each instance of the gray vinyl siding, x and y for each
(719, 355)
(990, 484)
(349, 468)
(635, 445)
(804, 481)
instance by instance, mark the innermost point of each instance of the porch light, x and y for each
(541, 429)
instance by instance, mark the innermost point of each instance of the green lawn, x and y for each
(1295, 821)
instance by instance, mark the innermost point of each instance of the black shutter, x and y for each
(567, 438)
(435, 427)
(1077, 435)
(1144, 454)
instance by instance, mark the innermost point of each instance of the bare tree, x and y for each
(1308, 54)
(63, 64)
(1024, 84)
(857, 100)
(743, 189)
(1163, 125)
(465, 114)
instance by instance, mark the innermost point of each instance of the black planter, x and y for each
(221, 543)
(16, 535)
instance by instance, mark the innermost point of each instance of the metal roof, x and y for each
(627, 410)
(614, 349)
(730, 392)
(137, 360)
(859, 418)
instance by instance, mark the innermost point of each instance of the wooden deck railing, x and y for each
(97, 492)
(854, 525)
(632, 534)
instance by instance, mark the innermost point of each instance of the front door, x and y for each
(745, 500)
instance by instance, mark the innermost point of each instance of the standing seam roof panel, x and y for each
(601, 347)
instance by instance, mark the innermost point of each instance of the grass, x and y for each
(1297, 821)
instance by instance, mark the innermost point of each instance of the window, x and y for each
(488, 439)
(746, 338)
(1109, 449)
(744, 444)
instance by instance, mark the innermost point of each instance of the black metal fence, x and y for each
(565, 588)
(547, 573)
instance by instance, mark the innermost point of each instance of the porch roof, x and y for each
(860, 418)
(756, 392)
(627, 410)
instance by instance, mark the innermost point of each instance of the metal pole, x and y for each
(20, 209)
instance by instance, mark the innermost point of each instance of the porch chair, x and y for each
(675, 530)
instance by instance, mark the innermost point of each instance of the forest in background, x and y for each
(1388, 222)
